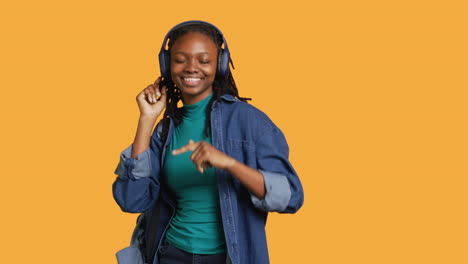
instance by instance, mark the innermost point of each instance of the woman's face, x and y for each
(193, 66)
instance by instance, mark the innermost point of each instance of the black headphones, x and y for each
(223, 55)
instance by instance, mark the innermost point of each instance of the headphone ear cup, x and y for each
(164, 63)
(223, 62)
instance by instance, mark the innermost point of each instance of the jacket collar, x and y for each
(228, 97)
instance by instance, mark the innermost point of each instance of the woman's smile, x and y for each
(192, 81)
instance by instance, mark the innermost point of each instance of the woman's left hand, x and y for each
(205, 155)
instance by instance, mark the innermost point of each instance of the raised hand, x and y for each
(152, 100)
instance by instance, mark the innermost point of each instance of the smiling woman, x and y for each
(205, 179)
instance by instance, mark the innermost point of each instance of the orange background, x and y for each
(372, 98)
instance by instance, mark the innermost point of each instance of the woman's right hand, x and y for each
(148, 101)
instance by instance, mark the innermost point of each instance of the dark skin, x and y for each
(193, 66)
(193, 70)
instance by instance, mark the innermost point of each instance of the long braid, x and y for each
(221, 85)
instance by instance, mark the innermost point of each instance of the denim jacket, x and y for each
(241, 131)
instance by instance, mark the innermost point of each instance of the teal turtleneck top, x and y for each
(197, 226)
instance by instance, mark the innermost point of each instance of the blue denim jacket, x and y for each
(243, 132)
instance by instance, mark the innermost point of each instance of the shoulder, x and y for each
(231, 103)
(246, 114)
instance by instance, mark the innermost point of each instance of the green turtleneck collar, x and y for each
(198, 109)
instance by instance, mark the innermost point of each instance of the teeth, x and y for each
(192, 79)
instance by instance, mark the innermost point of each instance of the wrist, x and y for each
(148, 118)
(230, 164)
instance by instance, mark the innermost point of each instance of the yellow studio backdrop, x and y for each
(371, 95)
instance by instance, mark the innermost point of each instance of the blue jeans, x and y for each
(169, 254)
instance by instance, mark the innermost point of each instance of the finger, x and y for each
(153, 95)
(196, 154)
(189, 147)
(157, 81)
(197, 157)
(155, 90)
(201, 155)
(196, 150)
(199, 164)
(202, 149)
(156, 86)
(163, 90)
(163, 94)
(148, 95)
(204, 162)
(207, 165)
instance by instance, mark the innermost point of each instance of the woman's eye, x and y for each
(178, 61)
(204, 62)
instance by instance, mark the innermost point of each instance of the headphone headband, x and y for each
(223, 55)
(192, 22)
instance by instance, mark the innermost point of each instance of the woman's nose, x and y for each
(191, 66)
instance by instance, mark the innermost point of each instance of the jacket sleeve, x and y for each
(137, 185)
(284, 193)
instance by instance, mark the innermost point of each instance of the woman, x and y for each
(207, 176)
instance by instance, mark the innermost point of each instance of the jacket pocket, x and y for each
(244, 145)
(129, 255)
(243, 151)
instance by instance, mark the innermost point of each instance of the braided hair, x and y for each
(221, 85)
